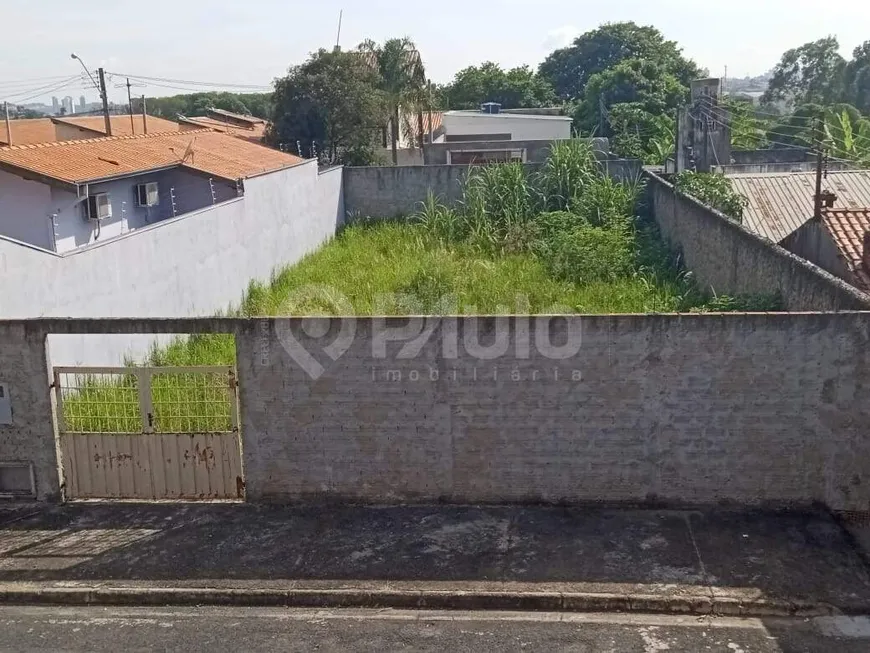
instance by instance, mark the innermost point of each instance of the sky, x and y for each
(253, 42)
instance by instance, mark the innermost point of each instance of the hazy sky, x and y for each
(254, 41)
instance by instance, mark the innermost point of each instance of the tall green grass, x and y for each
(564, 238)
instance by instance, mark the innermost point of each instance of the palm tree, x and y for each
(402, 78)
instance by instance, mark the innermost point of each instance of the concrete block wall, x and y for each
(30, 438)
(399, 191)
(729, 259)
(759, 409)
(693, 409)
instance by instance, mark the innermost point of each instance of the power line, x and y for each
(42, 91)
(187, 82)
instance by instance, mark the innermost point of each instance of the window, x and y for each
(98, 207)
(147, 194)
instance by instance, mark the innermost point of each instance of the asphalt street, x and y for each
(275, 629)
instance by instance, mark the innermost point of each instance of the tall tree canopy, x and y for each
(571, 68)
(196, 104)
(400, 76)
(811, 73)
(856, 78)
(331, 102)
(516, 88)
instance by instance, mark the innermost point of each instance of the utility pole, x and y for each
(8, 124)
(817, 210)
(105, 97)
(130, 102)
(144, 116)
(338, 37)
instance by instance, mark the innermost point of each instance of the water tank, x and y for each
(490, 107)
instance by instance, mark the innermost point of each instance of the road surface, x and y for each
(276, 629)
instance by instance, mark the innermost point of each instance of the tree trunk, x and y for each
(420, 125)
(395, 134)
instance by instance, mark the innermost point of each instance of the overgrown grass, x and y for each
(565, 239)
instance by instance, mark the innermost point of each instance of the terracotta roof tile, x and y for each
(847, 227)
(121, 124)
(85, 161)
(26, 132)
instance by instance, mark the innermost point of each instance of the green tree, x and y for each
(748, 127)
(331, 103)
(516, 88)
(400, 76)
(812, 73)
(643, 83)
(196, 104)
(569, 69)
(857, 78)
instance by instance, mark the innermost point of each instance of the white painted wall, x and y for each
(27, 207)
(521, 128)
(193, 265)
(25, 210)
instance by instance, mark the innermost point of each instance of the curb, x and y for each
(421, 599)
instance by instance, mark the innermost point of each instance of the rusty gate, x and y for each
(149, 433)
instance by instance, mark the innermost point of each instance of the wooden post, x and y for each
(8, 124)
(144, 116)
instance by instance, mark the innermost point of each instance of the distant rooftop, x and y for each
(780, 203)
(86, 161)
(44, 130)
(847, 228)
(508, 116)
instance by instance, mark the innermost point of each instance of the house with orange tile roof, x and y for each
(838, 242)
(73, 128)
(63, 195)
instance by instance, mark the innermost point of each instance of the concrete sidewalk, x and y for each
(715, 561)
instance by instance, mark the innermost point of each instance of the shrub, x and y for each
(714, 190)
(564, 177)
(589, 253)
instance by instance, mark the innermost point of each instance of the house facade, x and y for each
(67, 195)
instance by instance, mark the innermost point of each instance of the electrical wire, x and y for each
(182, 82)
(42, 91)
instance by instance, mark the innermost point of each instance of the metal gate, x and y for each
(149, 432)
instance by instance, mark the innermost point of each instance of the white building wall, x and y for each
(521, 128)
(190, 191)
(25, 210)
(194, 265)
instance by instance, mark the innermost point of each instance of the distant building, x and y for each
(247, 127)
(55, 105)
(62, 196)
(779, 204)
(83, 104)
(68, 105)
(73, 128)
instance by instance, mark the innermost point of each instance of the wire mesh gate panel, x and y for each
(149, 432)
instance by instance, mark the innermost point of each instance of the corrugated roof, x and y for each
(256, 133)
(253, 120)
(847, 228)
(780, 203)
(122, 125)
(29, 131)
(84, 161)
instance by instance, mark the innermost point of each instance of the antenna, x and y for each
(338, 37)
